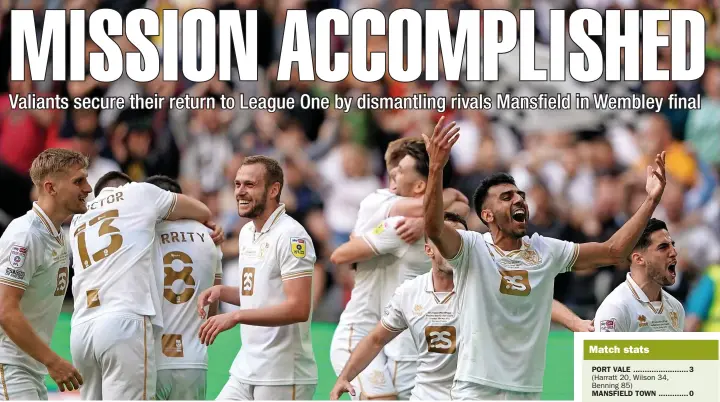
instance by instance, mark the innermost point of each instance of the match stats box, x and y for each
(668, 367)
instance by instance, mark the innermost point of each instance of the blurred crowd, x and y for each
(583, 180)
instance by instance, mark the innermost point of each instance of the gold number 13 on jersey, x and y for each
(106, 228)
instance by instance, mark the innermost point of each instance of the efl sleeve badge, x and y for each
(298, 247)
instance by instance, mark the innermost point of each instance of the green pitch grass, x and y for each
(558, 372)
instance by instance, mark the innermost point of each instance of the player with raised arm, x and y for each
(34, 277)
(426, 386)
(641, 304)
(277, 259)
(189, 263)
(504, 279)
(390, 375)
(118, 312)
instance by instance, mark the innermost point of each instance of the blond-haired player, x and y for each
(34, 277)
(277, 259)
(504, 279)
(189, 263)
(640, 304)
(118, 313)
(368, 296)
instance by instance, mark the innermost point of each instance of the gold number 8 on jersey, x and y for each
(184, 275)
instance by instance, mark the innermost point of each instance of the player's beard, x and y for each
(661, 277)
(259, 207)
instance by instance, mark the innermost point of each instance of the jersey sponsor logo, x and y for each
(298, 247)
(441, 339)
(248, 281)
(674, 319)
(172, 345)
(62, 282)
(515, 283)
(17, 256)
(18, 274)
(607, 325)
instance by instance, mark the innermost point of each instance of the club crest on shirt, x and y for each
(17, 256)
(674, 321)
(642, 321)
(297, 247)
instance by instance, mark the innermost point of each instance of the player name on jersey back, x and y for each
(113, 252)
(188, 262)
(639, 366)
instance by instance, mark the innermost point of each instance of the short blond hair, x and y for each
(397, 150)
(55, 160)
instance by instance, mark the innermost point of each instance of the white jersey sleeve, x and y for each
(296, 255)
(564, 253)
(383, 239)
(393, 318)
(611, 317)
(18, 259)
(468, 241)
(163, 201)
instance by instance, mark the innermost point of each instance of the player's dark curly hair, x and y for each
(652, 226)
(165, 183)
(111, 179)
(482, 191)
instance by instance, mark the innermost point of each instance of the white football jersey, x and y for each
(114, 252)
(33, 257)
(431, 320)
(281, 251)
(188, 264)
(628, 309)
(506, 303)
(364, 309)
(410, 262)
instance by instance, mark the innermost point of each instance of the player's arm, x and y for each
(447, 240)
(699, 303)
(393, 323)
(189, 208)
(364, 353)
(413, 207)
(562, 315)
(611, 317)
(353, 251)
(15, 277)
(297, 267)
(616, 249)
(383, 239)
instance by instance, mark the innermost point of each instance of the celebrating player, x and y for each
(641, 304)
(505, 278)
(34, 278)
(115, 286)
(277, 259)
(375, 282)
(189, 263)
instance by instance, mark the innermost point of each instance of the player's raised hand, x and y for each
(656, 178)
(341, 386)
(206, 298)
(440, 142)
(218, 236)
(64, 374)
(214, 325)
